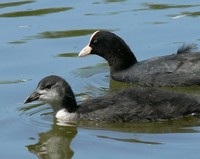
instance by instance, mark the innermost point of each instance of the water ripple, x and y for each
(63, 34)
(184, 14)
(160, 6)
(12, 4)
(69, 54)
(36, 12)
(130, 140)
(57, 35)
(13, 81)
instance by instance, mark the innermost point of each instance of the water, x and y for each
(43, 37)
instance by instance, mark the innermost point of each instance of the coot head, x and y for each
(112, 48)
(55, 91)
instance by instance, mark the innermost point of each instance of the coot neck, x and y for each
(121, 60)
(69, 103)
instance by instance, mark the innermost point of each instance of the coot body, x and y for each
(128, 105)
(178, 69)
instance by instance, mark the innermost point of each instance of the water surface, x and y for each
(43, 37)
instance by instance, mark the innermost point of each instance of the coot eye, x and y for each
(95, 41)
(48, 86)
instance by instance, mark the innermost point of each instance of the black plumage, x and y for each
(178, 69)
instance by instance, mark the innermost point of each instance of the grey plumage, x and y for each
(128, 105)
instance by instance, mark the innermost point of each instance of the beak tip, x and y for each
(27, 100)
(85, 51)
(33, 97)
(79, 55)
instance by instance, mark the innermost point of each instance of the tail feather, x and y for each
(187, 48)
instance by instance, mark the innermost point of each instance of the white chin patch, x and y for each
(64, 115)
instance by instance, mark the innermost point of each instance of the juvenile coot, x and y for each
(180, 69)
(128, 105)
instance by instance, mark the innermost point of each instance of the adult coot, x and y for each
(180, 69)
(128, 105)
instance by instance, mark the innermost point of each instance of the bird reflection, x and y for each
(55, 143)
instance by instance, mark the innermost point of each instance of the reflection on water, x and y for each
(115, 86)
(155, 23)
(112, 1)
(108, 13)
(17, 42)
(55, 143)
(158, 6)
(184, 14)
(12, 4)
(193, 90)
(69, 54)
(13, 81)
(33, 109)
(192, 14)
(55, 35)
(123, 16)
(129, 140)
(63, 34)
(183, 125)
(36, 12)
(92, 87)
(89, 71)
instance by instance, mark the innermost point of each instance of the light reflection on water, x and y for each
(39, 38)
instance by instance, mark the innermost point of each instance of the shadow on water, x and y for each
(12, 4)
(55, 143)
